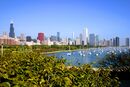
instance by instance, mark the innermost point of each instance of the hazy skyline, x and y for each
(107, 18)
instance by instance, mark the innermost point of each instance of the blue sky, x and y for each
(107, 18)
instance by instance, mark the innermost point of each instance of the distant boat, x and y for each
(68, 54)
(79, 52)
(90, 53)
(83, 54)
(97, 54)
(107, 52)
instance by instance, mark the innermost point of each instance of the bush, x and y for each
(30, 69)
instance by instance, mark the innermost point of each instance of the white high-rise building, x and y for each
(85, 37)
(73, 36)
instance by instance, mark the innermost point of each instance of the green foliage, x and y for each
(31, 69)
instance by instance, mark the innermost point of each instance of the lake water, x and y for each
(89, 56)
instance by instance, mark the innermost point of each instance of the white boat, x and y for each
(90, 53)
(97, 54)
(68, 54)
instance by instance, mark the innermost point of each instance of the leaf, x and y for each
(5, 84)
(42, 81)
(5, 75)
(68, 82)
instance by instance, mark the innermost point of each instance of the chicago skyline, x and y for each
(84, 39)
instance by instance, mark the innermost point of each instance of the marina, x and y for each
(92, 56)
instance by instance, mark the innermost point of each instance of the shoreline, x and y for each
(61, 51)
(67, 50)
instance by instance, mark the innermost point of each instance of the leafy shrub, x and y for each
(31, 69)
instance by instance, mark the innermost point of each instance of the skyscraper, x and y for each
(58, 36)
(77, 41)
(127, 42)
(111, 42)
(116, 41)
(40, 37)
(97, 40)
(28, 38)
(73, 39)
(92, 39)
(11, 33)
(80, 36)
(85, 37)
(53, 38)
(22, 37)
(73, 36)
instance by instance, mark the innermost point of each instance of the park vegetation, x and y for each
(26, 67)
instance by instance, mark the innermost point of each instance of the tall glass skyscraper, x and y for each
(116, 41)
(92, 40)
(58, 36)
(85, 37)
(81, 38)
(127, 42)
(97, 40)
(11, 33)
